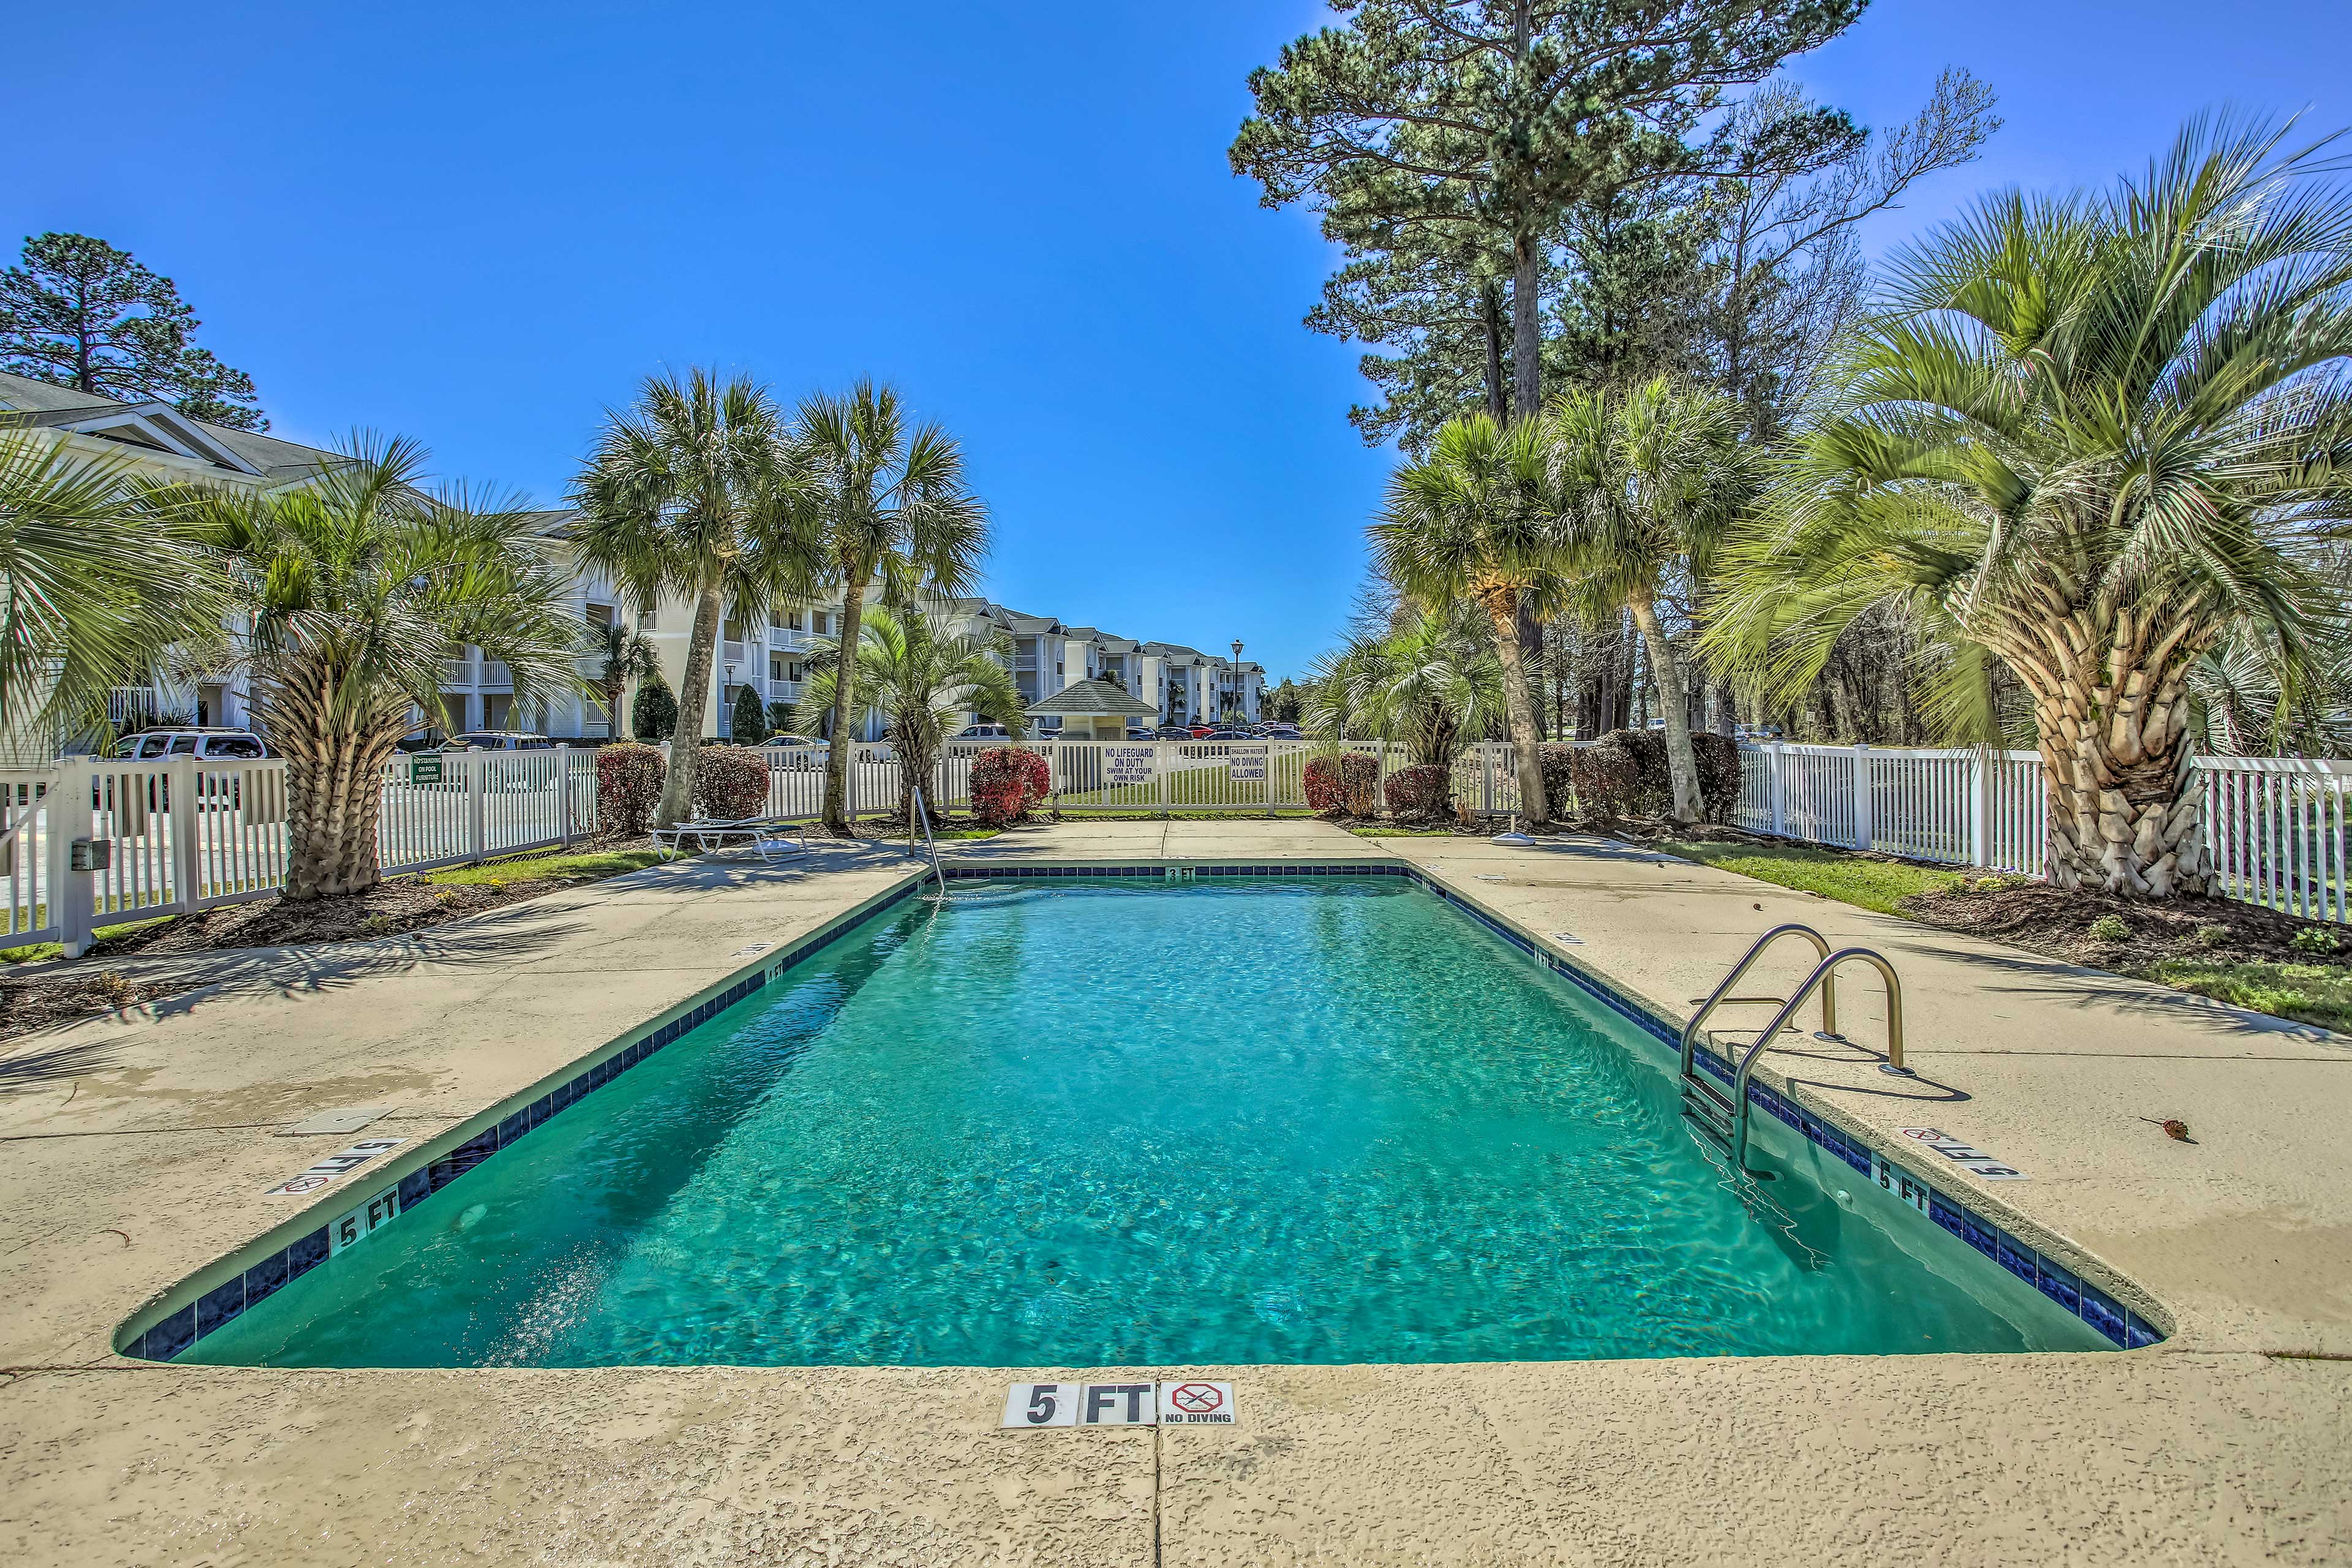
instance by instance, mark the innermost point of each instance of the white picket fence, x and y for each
(2278, 829)
(181, 835)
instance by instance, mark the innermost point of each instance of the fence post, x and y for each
(477, 832)
(1162, 752)
(70, 817)
(182, 782)
(563, 793)
(1981, 806)
(1779, 789)
(1862, 796)
(1487, 778)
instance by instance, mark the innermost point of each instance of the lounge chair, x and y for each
(767, 836)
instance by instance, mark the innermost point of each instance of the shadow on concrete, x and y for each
(54, 1064)
(2072, 985)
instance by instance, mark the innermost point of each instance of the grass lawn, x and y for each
(1849, 879)
(590, 866)
(41, 949)
(2317, 993)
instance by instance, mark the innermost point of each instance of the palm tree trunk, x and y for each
(837, 755)
(335, 789)
(1502, 602)
(1682, 760)
(693, 702)
(2126, 814)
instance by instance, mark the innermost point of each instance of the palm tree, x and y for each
(2089, 437)
(1647, 482)
(922, 680)
(1434, 684)
(622, 654)
(97, 582)
(882, 499)
(688, 493)
(353, 586)
(1469, 521)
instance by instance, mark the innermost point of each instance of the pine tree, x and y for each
(80, 313)
(654, 713)
(750, 720)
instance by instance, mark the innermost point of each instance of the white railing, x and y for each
(178, 835)
(2278, 829)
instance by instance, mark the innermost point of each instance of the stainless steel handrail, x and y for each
(924, 818)
(1828, 989)
(1820, 977)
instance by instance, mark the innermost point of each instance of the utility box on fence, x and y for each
(91, 855)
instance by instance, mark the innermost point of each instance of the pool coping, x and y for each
(2112, 1305)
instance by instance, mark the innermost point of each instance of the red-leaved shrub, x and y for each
(629, 778)
(730, 783)
(1006, 781)
(1423, 793)
(1346, 785)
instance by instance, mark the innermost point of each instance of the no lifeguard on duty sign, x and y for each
(1193, 1402)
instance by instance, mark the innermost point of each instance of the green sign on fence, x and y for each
(424, 770)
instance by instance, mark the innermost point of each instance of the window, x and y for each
(733, 631)
(183, 746)
(600, 614)
(152, 745)
(232, 746)
(646, 620)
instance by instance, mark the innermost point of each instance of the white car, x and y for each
(194, 741)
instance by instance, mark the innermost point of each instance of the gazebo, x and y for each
(1093, 710)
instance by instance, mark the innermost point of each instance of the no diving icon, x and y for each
(1188, 1403)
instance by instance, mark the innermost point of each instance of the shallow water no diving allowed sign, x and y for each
(1193, 1402)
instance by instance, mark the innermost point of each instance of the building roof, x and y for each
(157, 426)
(1092, 699)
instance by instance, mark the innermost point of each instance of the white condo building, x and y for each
(770, 652)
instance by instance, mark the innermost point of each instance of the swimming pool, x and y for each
(1088, 1121)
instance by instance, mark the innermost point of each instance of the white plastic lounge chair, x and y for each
(769, 838)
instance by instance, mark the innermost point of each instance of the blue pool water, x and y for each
(1084, 1123)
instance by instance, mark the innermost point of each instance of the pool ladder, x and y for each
(923, 818)
(1722, 1118)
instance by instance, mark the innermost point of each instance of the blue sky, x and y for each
(478, 224)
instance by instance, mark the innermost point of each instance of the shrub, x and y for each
(1605, 776)
(629, 778)
(1344, 783)
(730, 783)
(1628, 772)
(654, 713)
(1422, 794)
(2316, 939)
(1360, 779)
(779, 718)
(1325, 794)
(2110, 928)
(2213, 936)
(747, 724)
(1006, 780)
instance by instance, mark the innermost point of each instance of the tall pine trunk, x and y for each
(838, 754)
(693, 703)
(1682, 759)
(1527, 325)
(1502, 604)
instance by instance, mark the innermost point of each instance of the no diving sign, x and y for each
(1188, 1403)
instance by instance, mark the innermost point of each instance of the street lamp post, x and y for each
(1239, 711)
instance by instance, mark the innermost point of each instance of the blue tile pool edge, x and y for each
(216, 1295)
(213, 1297)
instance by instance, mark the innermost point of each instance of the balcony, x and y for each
(495, 676)
(787, 638)
(457, 673)
(784, 691)
(730, 651)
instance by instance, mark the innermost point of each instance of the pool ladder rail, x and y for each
(923, 818)
(1722, 1118)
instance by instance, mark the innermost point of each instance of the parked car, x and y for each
(424, 739)
(1279, 731)
(1141, 732)
(1201, 729)
(194, 741)
(984, 733)
(1172, 732)
(501, 741)
(1229, 735)
(802, 758)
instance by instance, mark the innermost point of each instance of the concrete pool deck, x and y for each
(137, 1151)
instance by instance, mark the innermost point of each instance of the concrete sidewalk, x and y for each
(137, 1151)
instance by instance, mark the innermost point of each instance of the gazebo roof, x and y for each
(1092, 699)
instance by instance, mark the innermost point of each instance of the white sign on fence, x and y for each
(1127, 764)
(1246, 764)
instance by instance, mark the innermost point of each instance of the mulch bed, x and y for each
(2050, 920)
